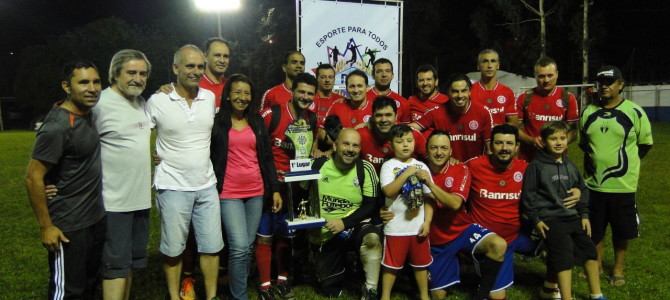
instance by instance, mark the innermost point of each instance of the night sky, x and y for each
(637, 37)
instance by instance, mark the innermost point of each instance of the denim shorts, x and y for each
(178, 209)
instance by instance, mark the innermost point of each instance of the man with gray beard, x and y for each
(125, 131)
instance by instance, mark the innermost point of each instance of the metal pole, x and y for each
(218, 17)
(297, 25)
(402, 4)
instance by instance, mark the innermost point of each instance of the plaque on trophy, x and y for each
(308, 210)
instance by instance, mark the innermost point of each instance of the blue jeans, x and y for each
(240, 218)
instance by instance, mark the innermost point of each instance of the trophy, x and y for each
(308, 214)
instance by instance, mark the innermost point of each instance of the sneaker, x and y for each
(369, 294)
(265, 295)
(283, 291)
(550, 293)
(187, 291)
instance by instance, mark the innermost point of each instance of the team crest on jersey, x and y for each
(397, 103)
(353, 120)
(385, 150)
(502, 183)
(449, 182)
(473, 125)
(356, 183)
(518, 176)
(366, 118)
(559, 103)
(502, 99)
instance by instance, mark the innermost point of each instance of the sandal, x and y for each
(617, 280)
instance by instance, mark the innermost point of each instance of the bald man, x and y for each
(347, 190)
(184, 179)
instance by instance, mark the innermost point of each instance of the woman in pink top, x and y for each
(245, 173)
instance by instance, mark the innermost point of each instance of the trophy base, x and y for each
(306, 223)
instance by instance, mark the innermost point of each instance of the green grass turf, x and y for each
(24, 271)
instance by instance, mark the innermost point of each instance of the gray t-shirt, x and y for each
(70, 143)
(125, 133)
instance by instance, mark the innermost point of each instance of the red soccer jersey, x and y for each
(495, 196)
(321, 105)
(543, 109)
(499, 101)
(403, 113)
(277, 95)
(377, 152)
(350, 117)
(468, 132)
(289, 136)
(448, 224)
(419, 107)
(216, 88)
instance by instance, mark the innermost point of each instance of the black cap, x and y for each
(610, 73)
(332, 126)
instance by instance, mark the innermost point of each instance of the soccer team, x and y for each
(471, 174)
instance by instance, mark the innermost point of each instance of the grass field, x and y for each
(24, 271)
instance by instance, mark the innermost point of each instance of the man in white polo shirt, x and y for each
(184, 179)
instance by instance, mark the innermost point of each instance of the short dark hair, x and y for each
(305, 78)
(381, 61)
(323, 67)
(289, 53)
(505, 129)
(70, 66)
(544, 61)
(383, 101)
(457, 77)
(426, 68)
(437, 132)
(213, 40)
(552, 127)
(356, 72)
(399, 130)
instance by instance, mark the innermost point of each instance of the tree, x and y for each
(37, 85)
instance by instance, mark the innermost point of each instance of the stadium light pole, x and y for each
(218, 6)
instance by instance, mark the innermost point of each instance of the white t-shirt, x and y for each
(183, 139)
(125, 134)
(405, 222)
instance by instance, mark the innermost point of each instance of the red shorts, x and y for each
(398, 248)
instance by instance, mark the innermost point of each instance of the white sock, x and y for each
(371, 258)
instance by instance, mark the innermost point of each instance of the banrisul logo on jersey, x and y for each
(349, 36)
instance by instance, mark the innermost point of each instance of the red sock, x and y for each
(263, 260)
(282, 256)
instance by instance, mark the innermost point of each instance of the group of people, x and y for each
(421, 180)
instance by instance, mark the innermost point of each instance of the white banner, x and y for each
(350, 36)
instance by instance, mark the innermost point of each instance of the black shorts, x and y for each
(75, 267)
(616, 209)
(126, 243)
(567, 244)
(331, 256)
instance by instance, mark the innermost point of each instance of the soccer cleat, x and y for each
(283, 291)
(600, 298)
(265, 295)
(550, 293)
(187, 291)
(369, 294)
